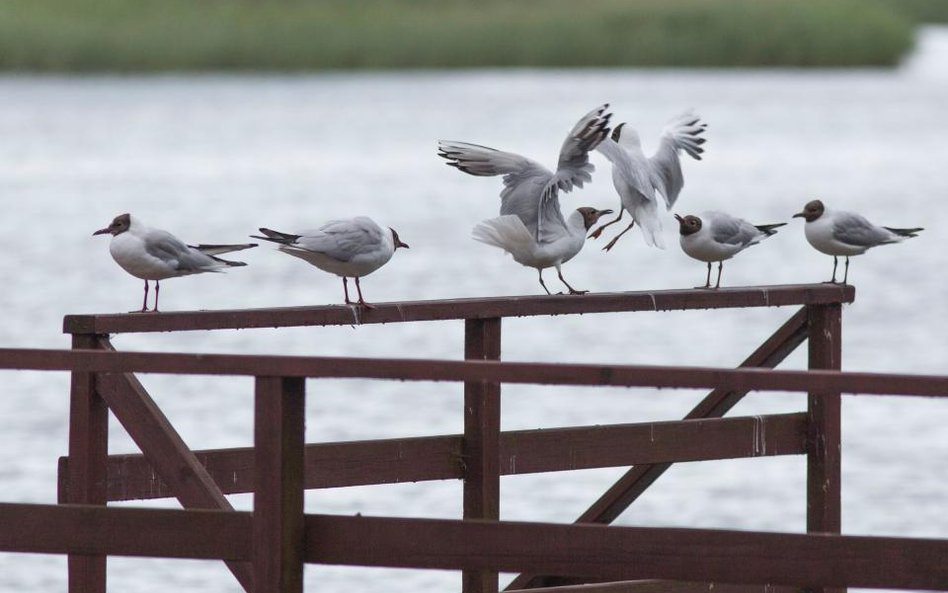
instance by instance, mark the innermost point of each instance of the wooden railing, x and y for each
(267, 548)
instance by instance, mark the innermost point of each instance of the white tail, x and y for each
(506, 232)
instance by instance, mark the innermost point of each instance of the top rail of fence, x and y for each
(472, 308)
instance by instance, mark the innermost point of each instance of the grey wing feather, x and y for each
(574, 167)
(213, 250)
(682, 133)
(733, 231)
(342, 240)
(165, 246)
(853, 229)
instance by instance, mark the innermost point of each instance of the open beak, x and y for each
(602, 213)
(679, 218)
(101, 232)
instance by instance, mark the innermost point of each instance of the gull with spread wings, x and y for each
(531, 227)
(637, 177)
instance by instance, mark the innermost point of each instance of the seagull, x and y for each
(637, 177)
(840, 233)
(154, 254)
(531, 226)
(349, 248)
(510, 234)
(716, 236)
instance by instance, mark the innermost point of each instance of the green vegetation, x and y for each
(288, 35)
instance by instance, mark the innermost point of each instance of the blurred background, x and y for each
(212, 118)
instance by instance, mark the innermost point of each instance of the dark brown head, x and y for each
(119, 225)
(591, 215)
(688, 225)
(811, 211)
(398, 242)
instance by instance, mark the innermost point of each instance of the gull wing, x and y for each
(574, 167)
(730, 230)
(341, 240)
(682, 133)
(853, 229)
(172, 250)
(524, 179)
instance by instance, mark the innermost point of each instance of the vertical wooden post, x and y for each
(481, 442)
(824, 505)
(279, 423)
(88, 461)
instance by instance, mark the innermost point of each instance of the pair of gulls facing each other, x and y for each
(531, 226)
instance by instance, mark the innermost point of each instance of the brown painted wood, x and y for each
(824, 438)
(86, 478)
(390, 461)
(639, 478)
(480, 461)
(164, 448)
(279, 428)
(624, 553)
(658, 586)
(741, 379)
(98, 530)
(479, 308)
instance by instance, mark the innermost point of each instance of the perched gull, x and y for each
(637, 177)
(531, 226)
(716, 236)
(349, 248)
(154, 254)
(840, 233)
(510, 234)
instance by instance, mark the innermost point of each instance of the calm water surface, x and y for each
(211, 158)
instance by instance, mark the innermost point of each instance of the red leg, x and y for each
(595, 234)
(362, 300)
(345, 289)
(616, 238)
(157, 288)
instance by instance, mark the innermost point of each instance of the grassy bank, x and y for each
(169, 35)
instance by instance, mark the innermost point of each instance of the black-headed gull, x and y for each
(637, 177)
(716, 236)
(531, 226)
(840, 233)
(349, 248)
(154, 254)
(510, 234)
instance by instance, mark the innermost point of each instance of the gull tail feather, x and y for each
(769, 229)
(506, 232)
(904, 232)
(276, 236)
(213, 250)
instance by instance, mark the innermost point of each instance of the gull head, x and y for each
(591, 215)
(813, 210)
(688, 225)
(625, 136)
(398, 242)
(120, 224)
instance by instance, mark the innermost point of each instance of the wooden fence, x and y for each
(267, 548)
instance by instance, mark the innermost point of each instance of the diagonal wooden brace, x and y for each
(164, 448)
(717, 403)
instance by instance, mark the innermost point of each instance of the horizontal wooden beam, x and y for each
(657, 586)
(99, 530)
(623, 553)
(674, 377)
(386, 461)
(592, 551)
(478, 308)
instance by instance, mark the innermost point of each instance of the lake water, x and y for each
(212, 158)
